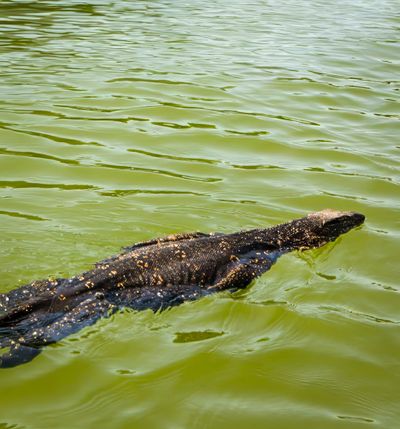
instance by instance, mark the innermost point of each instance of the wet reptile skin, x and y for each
(153, 275)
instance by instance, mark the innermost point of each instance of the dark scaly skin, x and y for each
(153, 275)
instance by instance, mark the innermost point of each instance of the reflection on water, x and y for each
(122, 121)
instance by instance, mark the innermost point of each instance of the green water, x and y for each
(122, 121)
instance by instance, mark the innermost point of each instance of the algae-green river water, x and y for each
(122, 121)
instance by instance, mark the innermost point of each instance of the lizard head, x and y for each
(314, 230)
(328, 224)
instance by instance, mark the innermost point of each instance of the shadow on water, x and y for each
(190, 337)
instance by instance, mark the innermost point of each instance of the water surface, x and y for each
(122, 121)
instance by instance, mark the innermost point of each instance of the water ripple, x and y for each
(124, 192)
(161, 172)
(173, 157)
(5, 151)
(57, 139)
(18, 184)
(21, 215)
